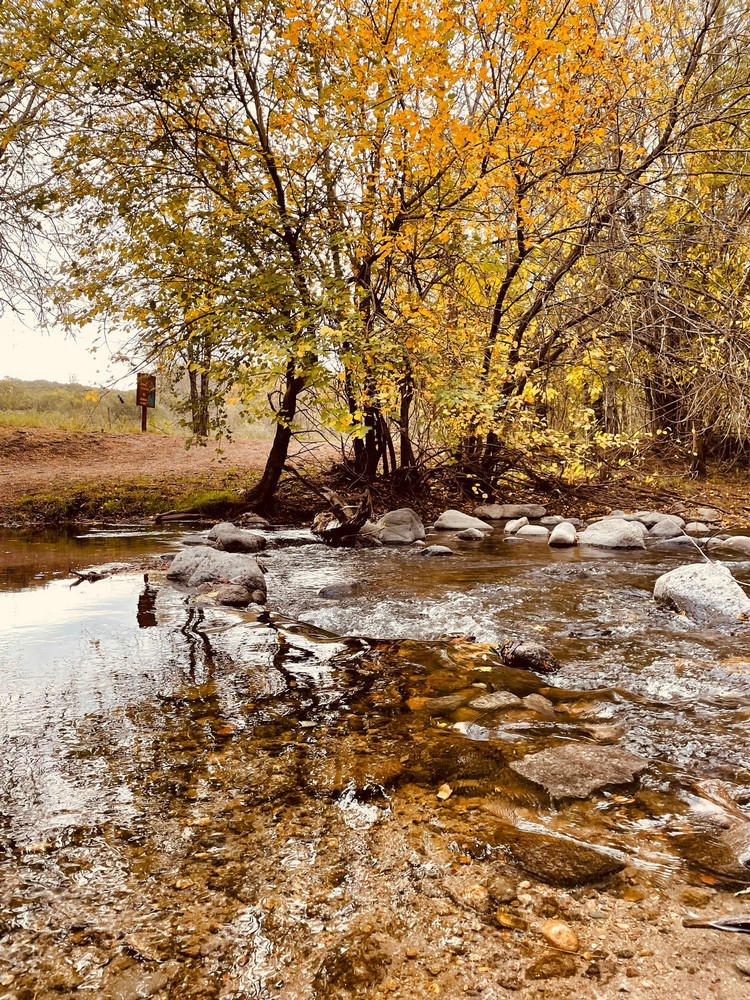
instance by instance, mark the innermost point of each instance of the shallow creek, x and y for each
(198, 802)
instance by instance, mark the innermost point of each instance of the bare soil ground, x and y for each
(34, 458)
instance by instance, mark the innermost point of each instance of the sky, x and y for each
(27, 352)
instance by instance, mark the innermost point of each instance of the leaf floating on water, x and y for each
(444, 792)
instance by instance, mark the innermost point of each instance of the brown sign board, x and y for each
(145, 393)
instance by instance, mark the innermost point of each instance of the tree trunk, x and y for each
(262, 494)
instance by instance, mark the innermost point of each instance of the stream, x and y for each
(203, 802)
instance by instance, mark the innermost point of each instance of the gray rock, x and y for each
(697, 528)
(251, 520)
(512, 526)
(495, 702)
(652, 517)
(454, 520)
(666, 528)
(576, 770)
(400, 527)
(558, 861)
(230, 538)
(198, 540)
(503, 511)
(194, 566)
(563, 534)
(502, 890)
(551, 520)
(536, 532)
(706, 592)
(437, 551)
(680, 542)
(471, 535)
(736, 544)
(614, 533)
(339, 591)
(575, 521)
(709, 514)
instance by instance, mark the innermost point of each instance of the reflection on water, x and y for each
(206, 785)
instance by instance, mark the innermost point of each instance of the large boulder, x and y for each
(697, 528)
(502, 511)
(666, 528)
(576, 770)
(563, 534)
(194, 566)
(229, 538)
(706, 592)
(399, 527)
(454, 520)
(614, 533)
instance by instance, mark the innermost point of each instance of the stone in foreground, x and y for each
(706, 592)
(400, 527)
(614, 533)
(559, 861)
(577, 770)
(454, 520)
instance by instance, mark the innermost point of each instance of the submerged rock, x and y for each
(437, 550)
(454, 520)
(576, 770)
(720, 846)
(706, 592)
(399, 527)
(194, 566)
(339, 591)
(496, 701)
(559, 861)
(614, 533)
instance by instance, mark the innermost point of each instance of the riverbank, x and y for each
(52, 477)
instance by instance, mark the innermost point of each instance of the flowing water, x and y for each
(203, 802)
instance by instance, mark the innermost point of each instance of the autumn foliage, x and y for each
(481, 233)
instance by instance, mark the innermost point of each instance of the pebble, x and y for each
(560, 935)
(502, 890)
(693, 896)
(552, 965)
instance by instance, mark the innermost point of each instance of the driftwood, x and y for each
(340, 526)
(91, 577)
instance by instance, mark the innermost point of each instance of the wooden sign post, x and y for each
(145, 396)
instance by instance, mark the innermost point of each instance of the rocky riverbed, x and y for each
(347, 792)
